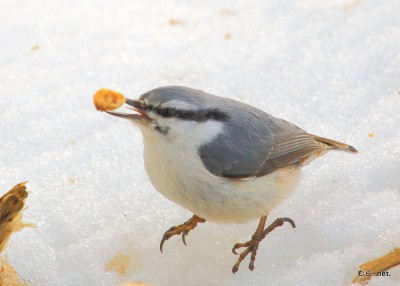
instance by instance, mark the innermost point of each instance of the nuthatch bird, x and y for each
(223, 160)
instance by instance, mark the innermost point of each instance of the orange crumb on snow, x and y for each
(228, 36)
(120, 263)
(175, 22)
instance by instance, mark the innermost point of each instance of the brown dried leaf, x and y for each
(11, 206)
(8, 276)
(380, 264)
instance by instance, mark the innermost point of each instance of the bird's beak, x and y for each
(137, 105)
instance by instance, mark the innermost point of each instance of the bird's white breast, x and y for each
(177, 172)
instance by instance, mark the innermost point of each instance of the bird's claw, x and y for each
(184, 235)
(239, 245)
(289, 220)
(181, 229)
(252, 245)
(162, 243)
(166, 236)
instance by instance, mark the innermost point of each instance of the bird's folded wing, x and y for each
(250, 154)
(292, 149)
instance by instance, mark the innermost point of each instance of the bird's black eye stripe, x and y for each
(198, 115)
(186, 115)
(216, 115)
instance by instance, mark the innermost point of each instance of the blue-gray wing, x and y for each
(257, 144)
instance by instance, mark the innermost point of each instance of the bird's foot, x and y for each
(181, 229)
(259, 235)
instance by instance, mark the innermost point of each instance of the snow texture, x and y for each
(331, 67)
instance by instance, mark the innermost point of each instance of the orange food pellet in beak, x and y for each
(107, 99)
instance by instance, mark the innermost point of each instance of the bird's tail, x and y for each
(335, 144)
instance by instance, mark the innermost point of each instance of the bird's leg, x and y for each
(258, 235)
(181, 229)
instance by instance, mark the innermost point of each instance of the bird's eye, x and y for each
(184, 115)
(166, 112)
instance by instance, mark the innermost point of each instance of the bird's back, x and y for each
(253, 143)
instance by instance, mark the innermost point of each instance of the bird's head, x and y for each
(174, 111)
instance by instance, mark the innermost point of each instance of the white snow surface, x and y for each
(331, 67)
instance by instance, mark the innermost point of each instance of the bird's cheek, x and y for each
(183, 126)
